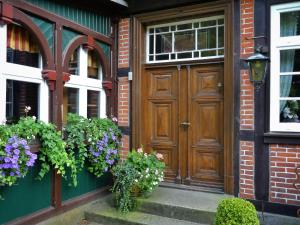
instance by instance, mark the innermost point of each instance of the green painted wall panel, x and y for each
(28, 196)
(87, 182)
(91, 20)
(47, 29)
(67, 37)
(105, 48)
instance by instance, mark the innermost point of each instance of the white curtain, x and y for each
(288, 28)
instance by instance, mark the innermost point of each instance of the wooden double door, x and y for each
(182, 118)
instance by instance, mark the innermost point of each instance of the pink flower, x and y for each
(140, 150)
(159, 156)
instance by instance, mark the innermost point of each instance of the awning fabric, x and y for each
(19, 39)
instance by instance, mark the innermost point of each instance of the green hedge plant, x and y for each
(236, 211)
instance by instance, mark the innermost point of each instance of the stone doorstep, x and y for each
(108, 215)
(165, 206)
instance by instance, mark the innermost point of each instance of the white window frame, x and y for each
(84, 84)
(16, 72)
(280, 43)
(196, 40)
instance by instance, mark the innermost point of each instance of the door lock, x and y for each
(185, 124)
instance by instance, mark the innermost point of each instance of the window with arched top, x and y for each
(21, 83)
(84, 94)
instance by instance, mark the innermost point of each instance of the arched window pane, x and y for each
(21, 47)
(74, 63)
(94, 68)
(71, 98)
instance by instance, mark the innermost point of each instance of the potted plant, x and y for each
(138, 175)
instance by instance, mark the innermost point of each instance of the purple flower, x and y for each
(17, 151)
(17, 158)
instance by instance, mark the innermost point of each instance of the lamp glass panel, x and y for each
(257, 70)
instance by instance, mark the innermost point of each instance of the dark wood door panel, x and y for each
(207, 165)
(206, 82)
(206, 131)
(170, 159)
(159, 129)
(206, 123)
(182, 118)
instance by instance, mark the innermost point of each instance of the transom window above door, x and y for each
(186, 40)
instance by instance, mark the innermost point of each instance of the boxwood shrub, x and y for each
(236, 211)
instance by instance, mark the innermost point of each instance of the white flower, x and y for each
(156, 172)
(136, 181)
(114, 119)
(27, 109)
(89, 140)
(3, 122)
(145, 154)
(34, 118)
(140, 150)
(147, 170)
(33, 137)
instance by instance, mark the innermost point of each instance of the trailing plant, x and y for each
(75, 131)
(139, 174)
(93, 141)
(52, 152)
(125, 177)
(236, 211)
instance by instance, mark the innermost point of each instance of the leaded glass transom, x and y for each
(186, 40)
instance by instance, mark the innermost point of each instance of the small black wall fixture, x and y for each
(258, 64)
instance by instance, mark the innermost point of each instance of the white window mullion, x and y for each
(3, 33)
(2, 98)
(102, 104)
(82, 102)
(83, 62)
(44, 101)
(3, 43)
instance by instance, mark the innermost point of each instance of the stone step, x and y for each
(176, 212)
(113, 217)
(186, 205)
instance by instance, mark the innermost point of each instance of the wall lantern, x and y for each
(258, 64)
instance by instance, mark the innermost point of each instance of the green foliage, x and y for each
(125, 176)
(52, 153)
(75, 130)
(236, 211)
(140, 173)
(149, 168)
(92, 141)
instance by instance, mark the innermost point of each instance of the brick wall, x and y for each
(123, 61)
(283, 162)
(123, 86)
(247, 48)
(246, 101)
(247, 169)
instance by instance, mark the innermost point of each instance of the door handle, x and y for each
(185, 124)
(220, 85)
